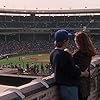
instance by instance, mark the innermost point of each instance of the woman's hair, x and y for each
(85, 44)
(59, 44)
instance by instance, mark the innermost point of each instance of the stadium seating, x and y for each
(25, 43)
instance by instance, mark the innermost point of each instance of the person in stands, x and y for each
(66, 73)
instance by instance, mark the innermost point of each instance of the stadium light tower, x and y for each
(36, 8)
(4, 5)
(85, 27)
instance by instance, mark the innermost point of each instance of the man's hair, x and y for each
(59, 44)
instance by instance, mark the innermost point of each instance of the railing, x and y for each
(37, 89)
(95, 80)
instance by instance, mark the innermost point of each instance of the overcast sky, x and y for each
(49, 4)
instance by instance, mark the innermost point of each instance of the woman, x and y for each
(82, 57)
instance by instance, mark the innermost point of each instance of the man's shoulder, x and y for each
(52, 51)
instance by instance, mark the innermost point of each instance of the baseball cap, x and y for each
(61, 35)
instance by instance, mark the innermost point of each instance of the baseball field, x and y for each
(24, 59)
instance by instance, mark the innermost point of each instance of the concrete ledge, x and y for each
(33, 90)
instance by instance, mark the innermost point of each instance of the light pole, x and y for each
(85, 27)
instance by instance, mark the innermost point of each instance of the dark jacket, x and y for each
(66, 73)
(83, 60)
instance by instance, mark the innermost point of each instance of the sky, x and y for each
(49, 4)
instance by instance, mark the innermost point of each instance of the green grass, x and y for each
(34, 58)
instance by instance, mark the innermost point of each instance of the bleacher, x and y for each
(26, 34)
(49, 21)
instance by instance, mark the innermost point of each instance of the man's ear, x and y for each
(65, 40)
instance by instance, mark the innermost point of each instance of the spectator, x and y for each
(82, 57)
(66, 73)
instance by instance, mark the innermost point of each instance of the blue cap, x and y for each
(61, 35)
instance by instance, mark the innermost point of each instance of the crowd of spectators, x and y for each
(49, 21)
(27, 22)
(36, 69)
(38, 45)
(41, 44)
(25, 46)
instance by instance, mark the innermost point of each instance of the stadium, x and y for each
(26, 38)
